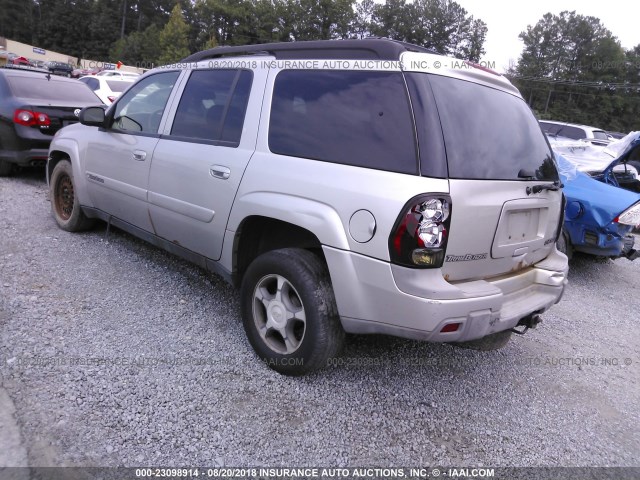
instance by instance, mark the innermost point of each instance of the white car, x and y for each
(107, 89)
(114, 73)
(593, 135)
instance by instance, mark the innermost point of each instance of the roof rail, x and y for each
(365, 49)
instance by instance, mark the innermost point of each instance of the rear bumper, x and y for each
(24, 158)
(611, 241)
(376, 297)
(25, 146)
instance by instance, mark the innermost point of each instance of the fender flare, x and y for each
(70, 148)
(318, 218)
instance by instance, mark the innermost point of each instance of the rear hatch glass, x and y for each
(54, 91)
(489, 134)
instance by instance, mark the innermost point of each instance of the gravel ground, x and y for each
(75, 308)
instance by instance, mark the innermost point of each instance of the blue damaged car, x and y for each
(599, 217)
(617, 163)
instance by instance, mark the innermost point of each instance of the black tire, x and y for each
(291, 280)
(564, 245)
(5, 168)
(495, 341)
(64, 203)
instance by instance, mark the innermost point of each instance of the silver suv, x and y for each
(363, 186)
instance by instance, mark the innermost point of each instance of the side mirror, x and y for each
(92, 116)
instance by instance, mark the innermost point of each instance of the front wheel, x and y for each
(289, 311)
(64, 201)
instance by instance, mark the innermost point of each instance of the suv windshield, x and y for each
(488, 134)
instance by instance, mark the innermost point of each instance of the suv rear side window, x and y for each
(213, 105)
(353, 118)
(488, 133)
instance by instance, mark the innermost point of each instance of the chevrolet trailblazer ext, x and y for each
(394, 194)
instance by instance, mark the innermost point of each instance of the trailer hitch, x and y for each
(530, 321)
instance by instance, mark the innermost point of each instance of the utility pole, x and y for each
(124, 19)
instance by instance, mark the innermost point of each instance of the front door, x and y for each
(118, 157)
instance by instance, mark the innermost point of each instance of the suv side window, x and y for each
(140, 109)
(349, 117)
(213, 106)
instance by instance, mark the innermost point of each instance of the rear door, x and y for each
(201, 157)
(505, 205)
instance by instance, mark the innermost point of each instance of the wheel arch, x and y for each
(258, 234)
(67, 149)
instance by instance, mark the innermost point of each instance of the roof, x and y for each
(365, 49)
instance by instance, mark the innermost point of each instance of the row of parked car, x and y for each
(34, 105)
(337, 200)
(62, 68)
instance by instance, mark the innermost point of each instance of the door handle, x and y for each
(139, 155)
(219, 171)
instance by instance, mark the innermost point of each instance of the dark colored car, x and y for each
(33, 107)
(60, 68)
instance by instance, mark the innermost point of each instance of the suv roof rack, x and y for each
(372, 48)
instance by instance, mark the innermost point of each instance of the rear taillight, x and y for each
(631, 216)
(111, 98)
(419, 237)
(29, 118)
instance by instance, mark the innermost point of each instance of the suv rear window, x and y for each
(38, 87)
(489, 134)
(353, 118)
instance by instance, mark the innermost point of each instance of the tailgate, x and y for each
(496, 228)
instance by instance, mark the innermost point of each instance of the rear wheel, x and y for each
(289, 311)
(64, 201)
(564, 245)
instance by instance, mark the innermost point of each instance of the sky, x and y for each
(505, 21)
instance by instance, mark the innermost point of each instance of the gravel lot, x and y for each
(77, 310)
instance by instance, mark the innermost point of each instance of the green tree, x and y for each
(141, 49)
(363, 19)
(174, 38)
(16, 20)
(442, 25)
(573, 69)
